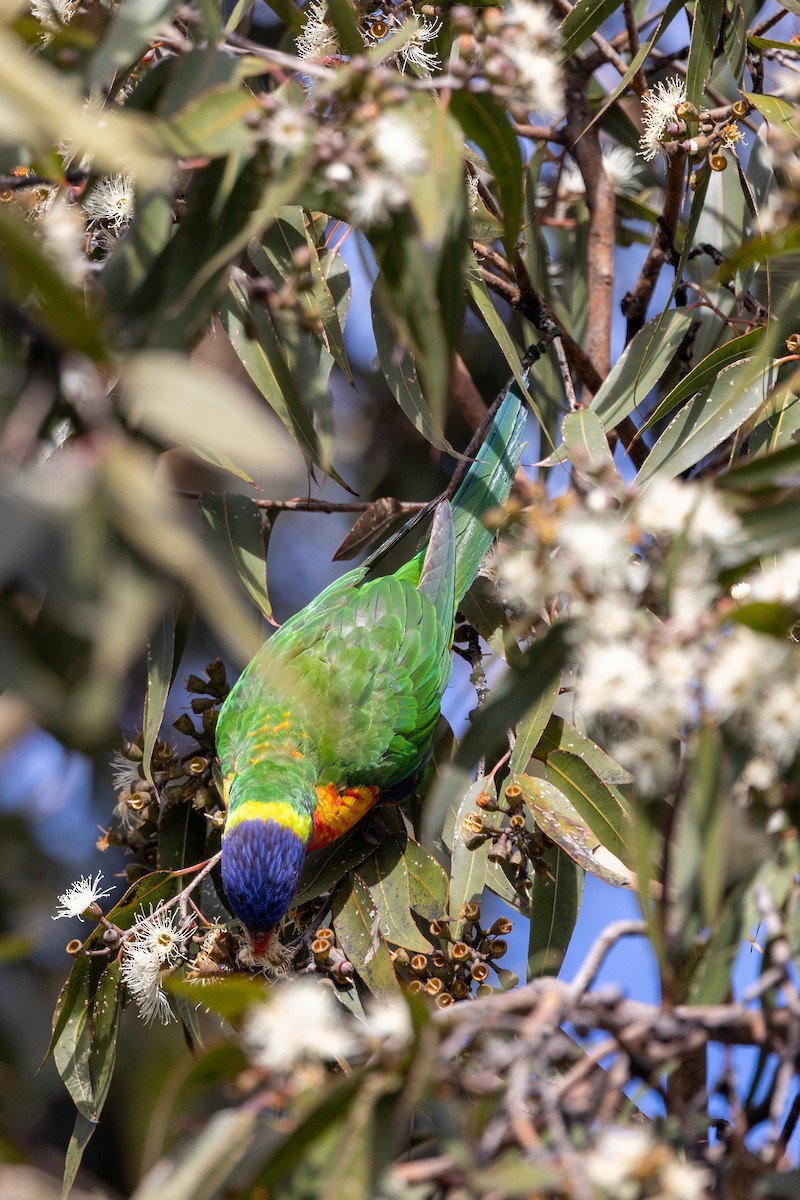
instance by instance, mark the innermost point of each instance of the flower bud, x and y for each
(484, 990)
(486, 802)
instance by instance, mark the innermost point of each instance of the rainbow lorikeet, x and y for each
(338, 707)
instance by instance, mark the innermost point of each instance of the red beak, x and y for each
(260, 940)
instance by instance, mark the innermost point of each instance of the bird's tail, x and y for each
(486, 485)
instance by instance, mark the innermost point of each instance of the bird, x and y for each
(336, 711)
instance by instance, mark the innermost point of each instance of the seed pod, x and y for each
(472, 823)
(75, 947)
(500, 850)
(419, 964)
(320, 948)
(501, 926)
(514, 795)
(439, 929)
(199, 705)
(163, 750)
(197, 765)
(498, 947)
(741, 108)
(460, 951)
(486, 802)
(469, 913)
(485, 989)
(184, 725)
(415, 987)
(718, 162)
(459, 989)
(400, 956)
(686, 111)
(479, 971)
(324, 932)
(434, 986)
(517, 822)
(438, 960)
(444, 1000)
(793, 343)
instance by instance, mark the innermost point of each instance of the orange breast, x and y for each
(338, 811)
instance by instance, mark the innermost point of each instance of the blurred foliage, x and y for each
(184, 191)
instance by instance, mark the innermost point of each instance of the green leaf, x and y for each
(255, 340)
(777, 112)
(486, 124)
(707, 420)
(160, 664)
(201, 409)
(734, 37)
(531, 728)
(400, 373)
(427, 883)
(706, 25)
(559, 819)
(595, 801)
(639, 367)
(781, 469)
(323, 869)
(587, 449)
(181, 836)
(357, 926)
(482, 300)
(555, 904)
(585, 19)
(560, 735)
(386, 875)
(705, 372)
(213, 124)
(241, 529)
(341, 14)
(469, 868)
(484, 610)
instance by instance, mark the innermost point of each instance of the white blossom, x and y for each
(615, 1164)
(665, 506)
(82, 895)
(742, 662)
(532, 20)
(650, 760)
(413, 54)
(658, 113)
(619, 163)
(299, 1023)
(777, 720)
(61, 230)
(683, 1181)
(318, 39)
(156, 945)
(615, 678)
(287, 128)
(539, 84)
(373, 198)
(141, 973)
(779, 582)
(596, 545)
(124, 773)
(53, 13)
(398, 145)
(389, 1022)
(112, 201)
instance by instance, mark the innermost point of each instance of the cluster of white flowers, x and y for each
(660, 120)
(627, 1164)
(620, 166)
(655, 646)
(318, 41)
(301, 1023)
(111, 202)
(156, 946)
(527, 38)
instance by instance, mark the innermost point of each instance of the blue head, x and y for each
(261, 863)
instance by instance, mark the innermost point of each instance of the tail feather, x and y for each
(486, 485)
(438, 573)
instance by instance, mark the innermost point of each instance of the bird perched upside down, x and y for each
(338, 708)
